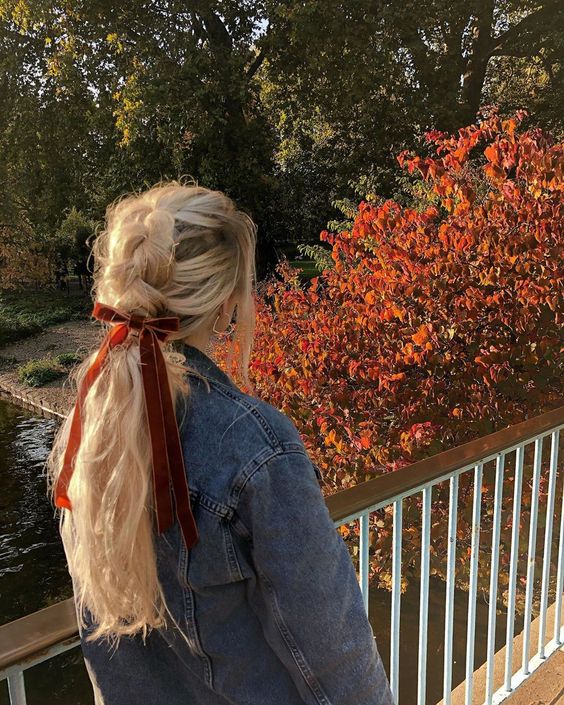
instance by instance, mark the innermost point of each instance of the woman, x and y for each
(205, 565)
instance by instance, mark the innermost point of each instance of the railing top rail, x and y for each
(23, 639)
(354, 500)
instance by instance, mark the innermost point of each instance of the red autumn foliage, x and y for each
(435, 326)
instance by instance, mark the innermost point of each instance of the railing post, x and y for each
(424, 598)
(473, 584)
(396, 598)
(16, 689)
(548, 544)
(517, 491)
(449, 595)
(364, 557)
(494, 575)
(559, 577)
(531, 554)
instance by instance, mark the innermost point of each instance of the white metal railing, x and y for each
(544, 648)
(15, 674)
(53, 630)
(33, 639)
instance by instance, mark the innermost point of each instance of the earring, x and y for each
(223, 333)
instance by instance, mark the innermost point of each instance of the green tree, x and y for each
(286, 106)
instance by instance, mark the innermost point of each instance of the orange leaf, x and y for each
(422, 335)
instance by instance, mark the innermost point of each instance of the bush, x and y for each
(36, 373)
(68, 359)
(437, 324)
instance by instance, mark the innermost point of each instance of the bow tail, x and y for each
(61, 486)
(179, 478)
(114, 337)
(155, 416)
(173, 450)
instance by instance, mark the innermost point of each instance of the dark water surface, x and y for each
(33, 575)
(33, 572)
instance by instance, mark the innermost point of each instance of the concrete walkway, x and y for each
(545, 686)
(57, 397)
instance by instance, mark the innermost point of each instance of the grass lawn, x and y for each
(25, 313)
(307, 266)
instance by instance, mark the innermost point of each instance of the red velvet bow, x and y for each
(168, 461)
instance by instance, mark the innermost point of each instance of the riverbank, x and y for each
(54, 398)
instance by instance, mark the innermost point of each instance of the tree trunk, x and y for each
(477, 64)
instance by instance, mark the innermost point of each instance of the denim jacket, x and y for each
(267, 607)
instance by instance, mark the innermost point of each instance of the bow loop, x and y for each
(166, 448)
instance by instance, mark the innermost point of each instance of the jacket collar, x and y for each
(204, 364)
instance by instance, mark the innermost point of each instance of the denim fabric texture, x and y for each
(267, 607)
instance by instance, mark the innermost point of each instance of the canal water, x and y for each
(33, 575)
(33, 571)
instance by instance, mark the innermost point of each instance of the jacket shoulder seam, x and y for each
(258, 463)
(253, 467)
(262, 421)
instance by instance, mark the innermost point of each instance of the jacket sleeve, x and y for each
(307, 595)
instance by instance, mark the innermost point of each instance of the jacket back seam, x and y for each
(234, 565)
(190, 617)
(300, 660)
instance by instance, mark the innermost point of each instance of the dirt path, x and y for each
(56, 397)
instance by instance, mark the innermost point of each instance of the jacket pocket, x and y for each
(213, 559)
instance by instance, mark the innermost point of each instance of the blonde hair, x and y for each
(175, 249)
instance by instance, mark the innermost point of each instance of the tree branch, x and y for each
(256, 63)
(216, 31)
(545, 16)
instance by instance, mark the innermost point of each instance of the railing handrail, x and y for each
(26, 638)
(355, 500)
(23, 639)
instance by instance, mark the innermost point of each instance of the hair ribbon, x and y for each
(167, 456)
